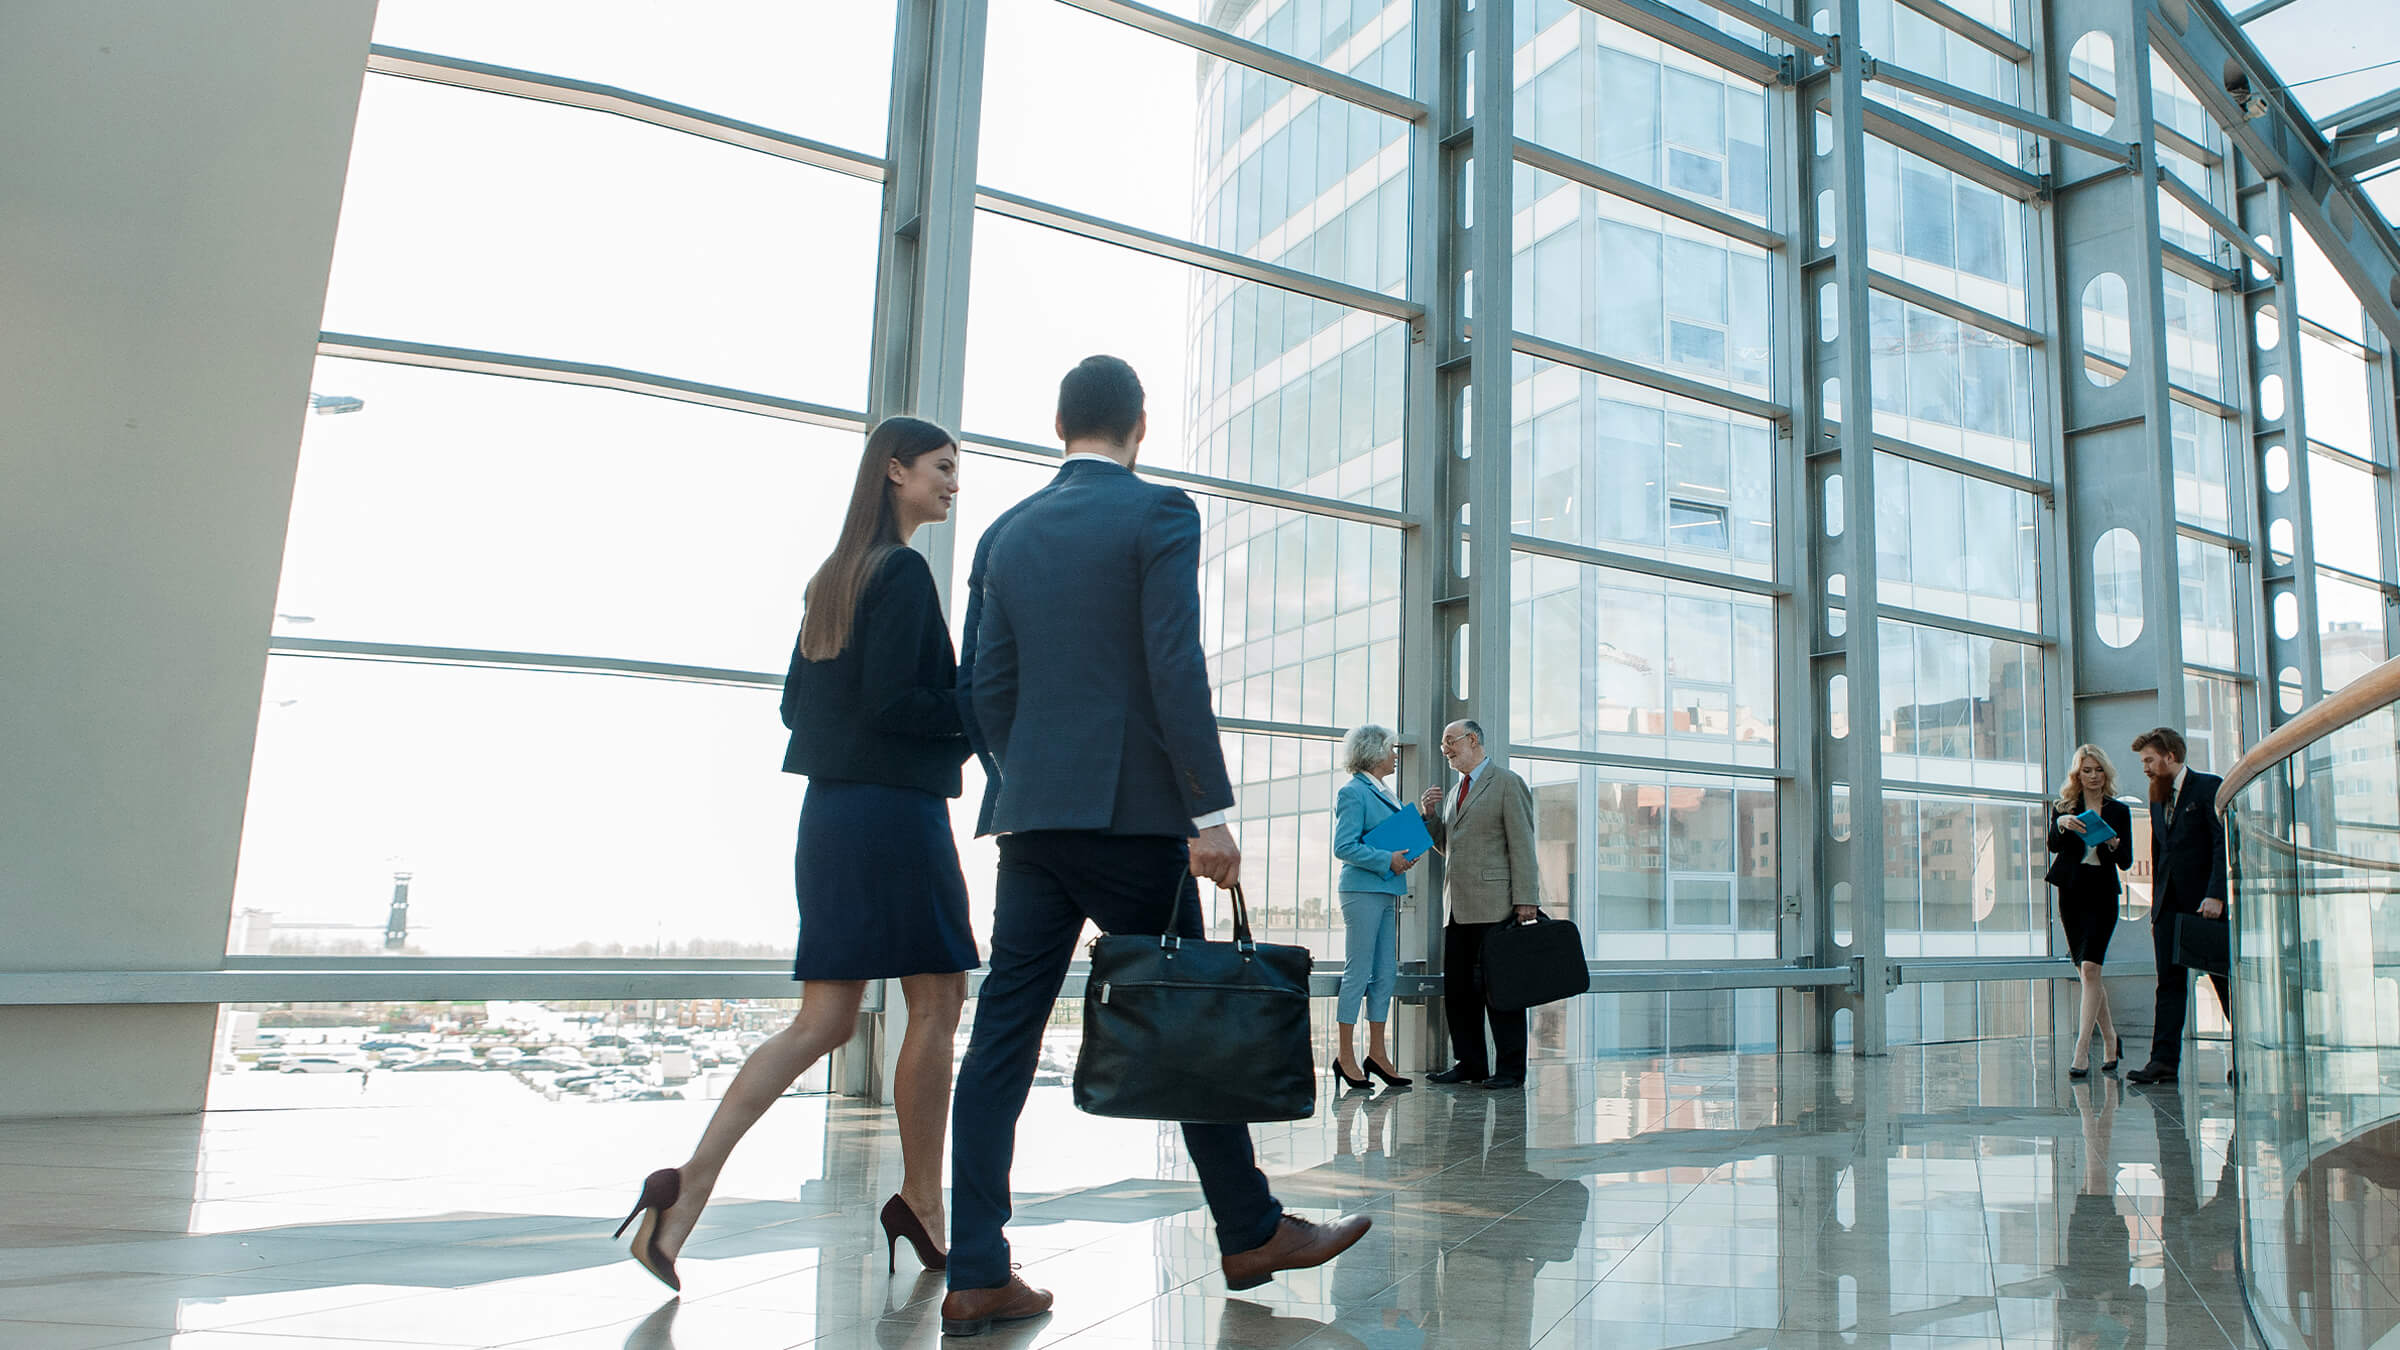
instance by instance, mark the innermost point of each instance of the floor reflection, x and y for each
(1949, 1196)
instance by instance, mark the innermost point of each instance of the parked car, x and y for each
(540, 1064)
(655, 1095)
(323, 1064)
(439, 1065)
(502, 1054)
(272, 1059)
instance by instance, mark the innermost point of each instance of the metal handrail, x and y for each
(2377, 689)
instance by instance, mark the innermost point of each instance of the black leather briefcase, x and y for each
(1178, 1028)
(2204, 944)
(1529, 964)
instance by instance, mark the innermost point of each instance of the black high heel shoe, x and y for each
(901, 1221)
(2111, 1065)
(660, 1190)
(1354, 1084)
(1389, 1078)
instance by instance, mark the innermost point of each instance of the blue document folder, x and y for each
(2095, 830)
(1404, 832)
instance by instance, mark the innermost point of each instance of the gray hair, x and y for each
(1365, 747)
(1470, 726)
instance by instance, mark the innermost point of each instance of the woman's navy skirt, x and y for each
(881, 894)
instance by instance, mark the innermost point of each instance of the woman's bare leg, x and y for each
(1376, 1053)
(1347, 1060)
(2093, 998)
(828, 1017)
(921, 1091)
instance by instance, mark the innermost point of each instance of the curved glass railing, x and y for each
(2312, 820)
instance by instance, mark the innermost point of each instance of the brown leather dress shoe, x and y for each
(1297, 1245)
(971, 1312)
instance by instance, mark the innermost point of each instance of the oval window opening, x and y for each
(2107, 330)
(2117, 587)
(2092, 69)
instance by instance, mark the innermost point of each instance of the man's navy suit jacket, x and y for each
(1088, 684)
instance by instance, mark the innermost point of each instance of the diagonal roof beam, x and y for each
(2217, 61)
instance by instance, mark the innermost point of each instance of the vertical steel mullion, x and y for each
(1490, 367)
(928, 227)
(1854, 759)
(1428, 612)
(2053, 568)
(2266, 212)
(918, 347)
(1804, 928)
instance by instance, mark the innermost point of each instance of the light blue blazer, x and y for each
(1359, 807)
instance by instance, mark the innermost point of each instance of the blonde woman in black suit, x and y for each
(2086, 878)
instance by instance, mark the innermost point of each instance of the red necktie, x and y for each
(1459, 802)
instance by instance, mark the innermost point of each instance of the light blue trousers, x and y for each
(1370, 955)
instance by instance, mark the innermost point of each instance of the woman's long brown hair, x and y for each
(870, 532)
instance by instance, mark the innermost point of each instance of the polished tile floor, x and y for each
(1961, 1196)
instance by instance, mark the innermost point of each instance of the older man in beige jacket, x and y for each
(1484, 828)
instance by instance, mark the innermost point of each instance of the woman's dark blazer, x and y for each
(2068, 847)
(884, 710)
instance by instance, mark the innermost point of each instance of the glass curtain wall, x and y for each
(610, 367)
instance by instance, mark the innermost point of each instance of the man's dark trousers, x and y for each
(2175, 993)
(1050, 882)
(1464, 1004)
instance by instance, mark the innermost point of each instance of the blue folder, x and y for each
(2095, 830)
(1403, 832)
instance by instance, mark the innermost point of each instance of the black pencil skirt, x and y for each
(880, 890)
(2087, 909)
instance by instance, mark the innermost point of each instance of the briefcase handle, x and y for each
(1242, 940)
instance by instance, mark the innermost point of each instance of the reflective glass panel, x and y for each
(1283, 820)
(2212, 711)
(1168, 139)
(1656, 867)
(1300, 615)
(2346, 529)
(1962, 876)
(1622, 663)
(2195, 359)
(477, 220)
(2350, 636)
(1960, 709)
(1951, 386)
(1949, 544)
(732, 57)
(1603, 93)
(470, 511)
(2333, 383)
(1243, 381)
(1896, 33)
(2203, 466)
(1366, 38)
(523, 832)
(1625, 467)
(1932, 226)
(1604, 274)
(2206, 576)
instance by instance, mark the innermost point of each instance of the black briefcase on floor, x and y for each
(2204, 944)
(1532, 963)
(1182, 1029)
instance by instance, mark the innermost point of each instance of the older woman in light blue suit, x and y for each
(1371, 884)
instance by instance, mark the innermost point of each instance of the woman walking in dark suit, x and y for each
(875, 725)
(2086, 878)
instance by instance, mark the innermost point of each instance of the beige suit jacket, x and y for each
(1489, 863)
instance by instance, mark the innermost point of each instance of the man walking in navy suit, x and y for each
(1090, 695)
(2187, 876)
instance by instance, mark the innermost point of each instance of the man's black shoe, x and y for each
(1453, 1074)
(2152, 1073)
(1503, 1082)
